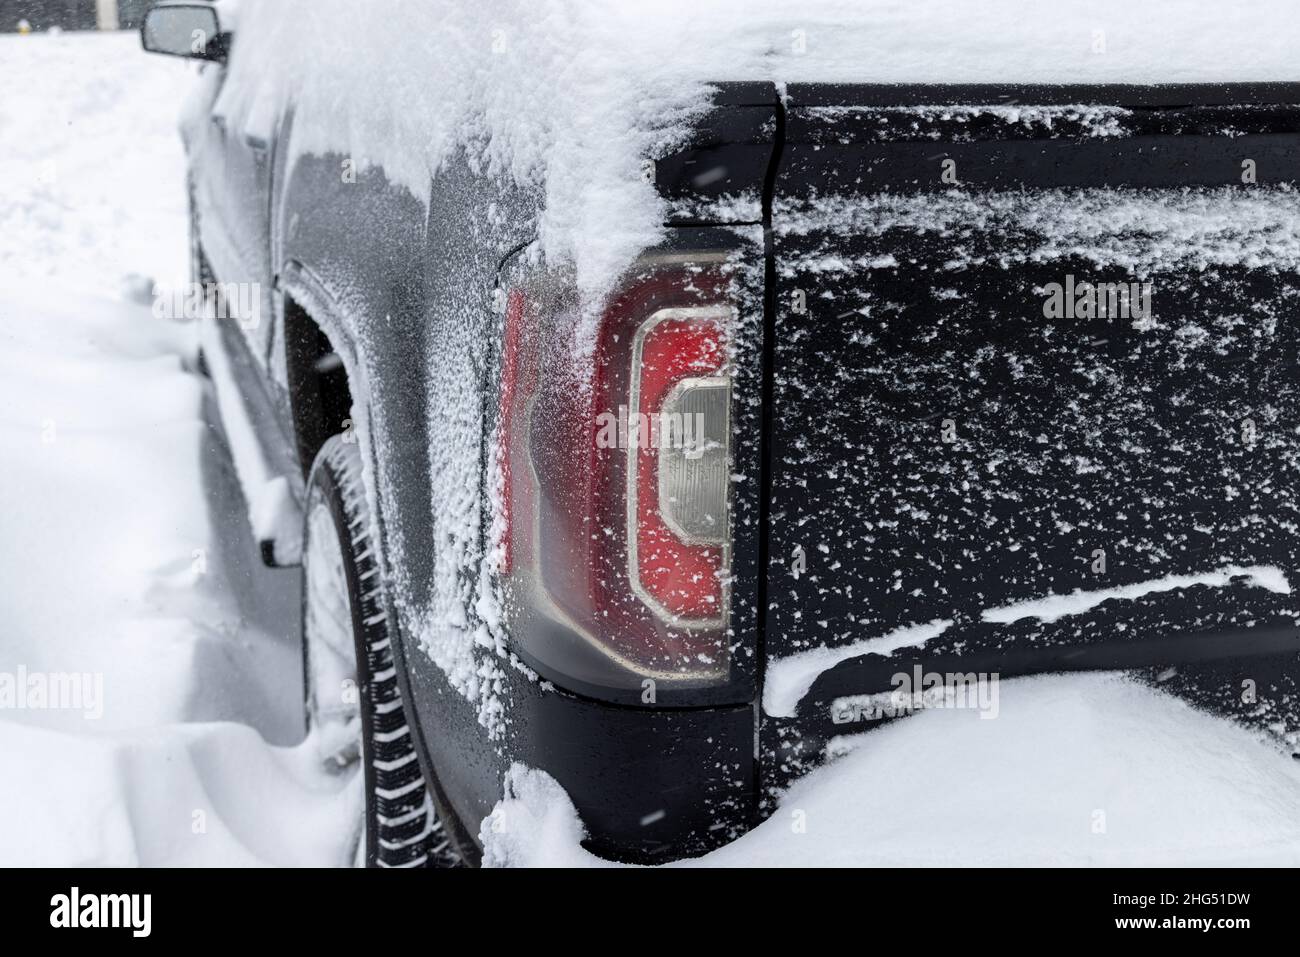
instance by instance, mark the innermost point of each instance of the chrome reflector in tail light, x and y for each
(694, 473)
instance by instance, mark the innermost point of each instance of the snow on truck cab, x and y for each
(990, 370)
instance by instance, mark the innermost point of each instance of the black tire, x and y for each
(402, 828)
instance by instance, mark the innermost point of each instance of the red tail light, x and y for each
(616, 465)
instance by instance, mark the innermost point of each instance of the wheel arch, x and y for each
(314, 327)
(321, 397)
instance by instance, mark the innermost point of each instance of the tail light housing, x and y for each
(614, 447)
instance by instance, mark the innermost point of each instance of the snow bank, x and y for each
(572, 95)
(178, 796)
(125, 553)
(1076, 770)
(93, 171)
(534, 823)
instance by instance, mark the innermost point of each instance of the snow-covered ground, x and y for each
(1081, 770)
(124, 554)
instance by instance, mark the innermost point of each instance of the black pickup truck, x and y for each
(954, 380)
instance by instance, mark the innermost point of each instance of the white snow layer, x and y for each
(1141, 231)
(787, 680)
(125, 558)
(573, 95)
(1053, 607)
(1076, 770)
(535, 822)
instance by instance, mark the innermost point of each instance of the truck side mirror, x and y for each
(190, 30)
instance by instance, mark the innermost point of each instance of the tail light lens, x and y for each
(616, 475)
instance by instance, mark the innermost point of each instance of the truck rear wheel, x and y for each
(355, 718)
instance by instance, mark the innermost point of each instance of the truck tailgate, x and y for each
(1034, 383)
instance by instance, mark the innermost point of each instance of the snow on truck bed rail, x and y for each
(1142, 231)
(571, 95)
